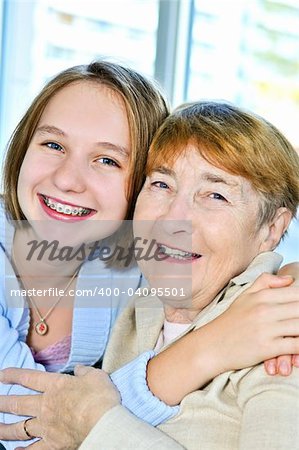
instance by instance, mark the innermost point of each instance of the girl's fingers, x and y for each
(295, 360)
(271, 366)
(267, 280)
(284, 365)
(283, 311)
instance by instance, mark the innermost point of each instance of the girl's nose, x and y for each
(69, 176)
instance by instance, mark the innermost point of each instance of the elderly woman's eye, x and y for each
(160, 184)
(53, 146)
(217, 196)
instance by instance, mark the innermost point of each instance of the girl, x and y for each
(73, 169)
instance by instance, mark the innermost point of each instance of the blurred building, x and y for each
(244, 51)
(248, 51)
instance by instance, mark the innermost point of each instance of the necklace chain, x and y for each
(41, 327)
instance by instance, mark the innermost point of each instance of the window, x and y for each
(46, 36)
(72, 32)
(245, 51)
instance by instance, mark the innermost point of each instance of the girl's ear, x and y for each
(276, 229)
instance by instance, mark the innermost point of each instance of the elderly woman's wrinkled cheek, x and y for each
(228, 242)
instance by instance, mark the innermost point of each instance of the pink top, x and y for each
(55, 356)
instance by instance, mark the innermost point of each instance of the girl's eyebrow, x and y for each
(116, 148)
(51, 129)
(43, 129)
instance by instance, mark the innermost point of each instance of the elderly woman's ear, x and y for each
(275, 229)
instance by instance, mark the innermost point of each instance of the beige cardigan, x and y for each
(241, 410)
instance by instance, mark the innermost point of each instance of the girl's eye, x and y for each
(160, 184)
(217, 196)
(54, 146)
(108, 162)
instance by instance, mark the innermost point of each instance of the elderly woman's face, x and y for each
(203, 220)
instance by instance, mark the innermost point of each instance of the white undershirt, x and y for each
(169, 332)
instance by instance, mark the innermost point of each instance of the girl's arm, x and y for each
(250, 331)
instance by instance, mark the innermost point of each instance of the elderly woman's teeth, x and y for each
(65, 209)
(175, 253)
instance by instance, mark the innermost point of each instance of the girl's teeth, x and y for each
(59, 207)
(65, 209)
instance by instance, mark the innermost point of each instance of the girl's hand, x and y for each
(282, 365)
(267, 314)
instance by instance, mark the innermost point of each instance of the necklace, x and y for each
(41, 327)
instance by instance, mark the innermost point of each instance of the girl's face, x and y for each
(72, 183)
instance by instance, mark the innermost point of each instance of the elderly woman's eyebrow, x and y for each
(214, 178)
(164, 171)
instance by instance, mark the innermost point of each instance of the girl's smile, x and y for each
(60, 210)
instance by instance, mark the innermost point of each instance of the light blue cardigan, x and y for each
(93, 319)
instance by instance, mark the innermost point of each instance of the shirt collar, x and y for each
(264, 262)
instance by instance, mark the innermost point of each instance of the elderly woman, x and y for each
(221, 190)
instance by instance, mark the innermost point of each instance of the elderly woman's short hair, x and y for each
(238, 142)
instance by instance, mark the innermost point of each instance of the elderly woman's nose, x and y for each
(179, 208)
(177, 227)
(177, 217)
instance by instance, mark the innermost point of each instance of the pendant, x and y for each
(41, 328)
